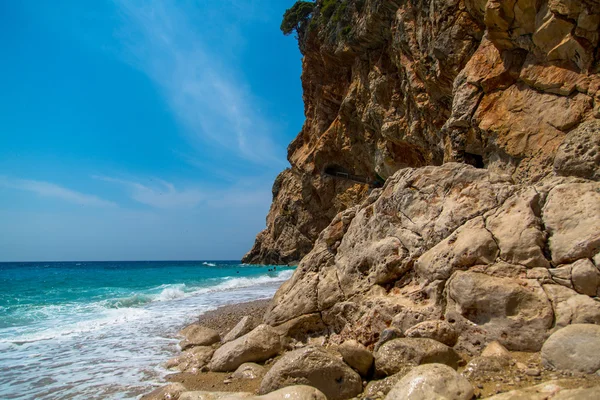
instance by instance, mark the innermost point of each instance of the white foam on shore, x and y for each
(111, 349)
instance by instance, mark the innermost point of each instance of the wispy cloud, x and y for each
(161, 194)
(207, 96)
(49, 189)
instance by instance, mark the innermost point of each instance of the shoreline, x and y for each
(222, 320)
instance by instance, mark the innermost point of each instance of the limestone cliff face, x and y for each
(390, 84)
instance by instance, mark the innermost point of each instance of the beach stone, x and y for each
(414, 351)
(553, 389)
(192, 360)
(439, 330)
(431, 381)
(240, 329)
(198, 335)
(384, 385)
(573, 348)
(171, 391)
(297, 392)
(249, 371)
(315, 367)
(258, 345)
(357, 356)
(495, 349)
(585, 277)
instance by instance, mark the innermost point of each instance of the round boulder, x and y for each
(258, 345)
(357, 356)
(249, 371)
(431, 381)
(396, 353)
(315, 367)
(573, 348)
(198, 335)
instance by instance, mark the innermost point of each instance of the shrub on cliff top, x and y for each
(296, 17)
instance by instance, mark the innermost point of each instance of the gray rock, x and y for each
(431, 381)
(240, 329)
(585, 277)
(384, 385)
(192, 360)
(395, 354)
(573, 348)
(198, 335)
(315, 367)
(438, 330)
(387, 335)
(249, 371)
(258, 345)
(357, 356)
(579, 153)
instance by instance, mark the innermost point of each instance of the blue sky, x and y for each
(142, 130)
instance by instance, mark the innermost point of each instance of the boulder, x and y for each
(192, 360)
(315, 367)
(585, 277)
(198, 335)
(431, 381)
(573, 348)
(393, 355)
(249, 371)
(515, 312)
(240, 329)
(495, 349)
(439, 330)
(357, 356)
(171, 391)
(384, 385)
(258, 345)
(297, 392)
(386, 335)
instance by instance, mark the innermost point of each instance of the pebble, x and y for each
(532, 372)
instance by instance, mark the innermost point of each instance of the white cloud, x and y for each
(202, 89)
(161, 194)
(49, 189)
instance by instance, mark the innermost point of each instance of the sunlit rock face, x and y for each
(512, 87)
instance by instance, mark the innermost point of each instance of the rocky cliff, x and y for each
(390, 84)
(502, 240)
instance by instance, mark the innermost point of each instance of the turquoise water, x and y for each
(102, 329)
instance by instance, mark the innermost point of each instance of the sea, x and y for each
(103, 330)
